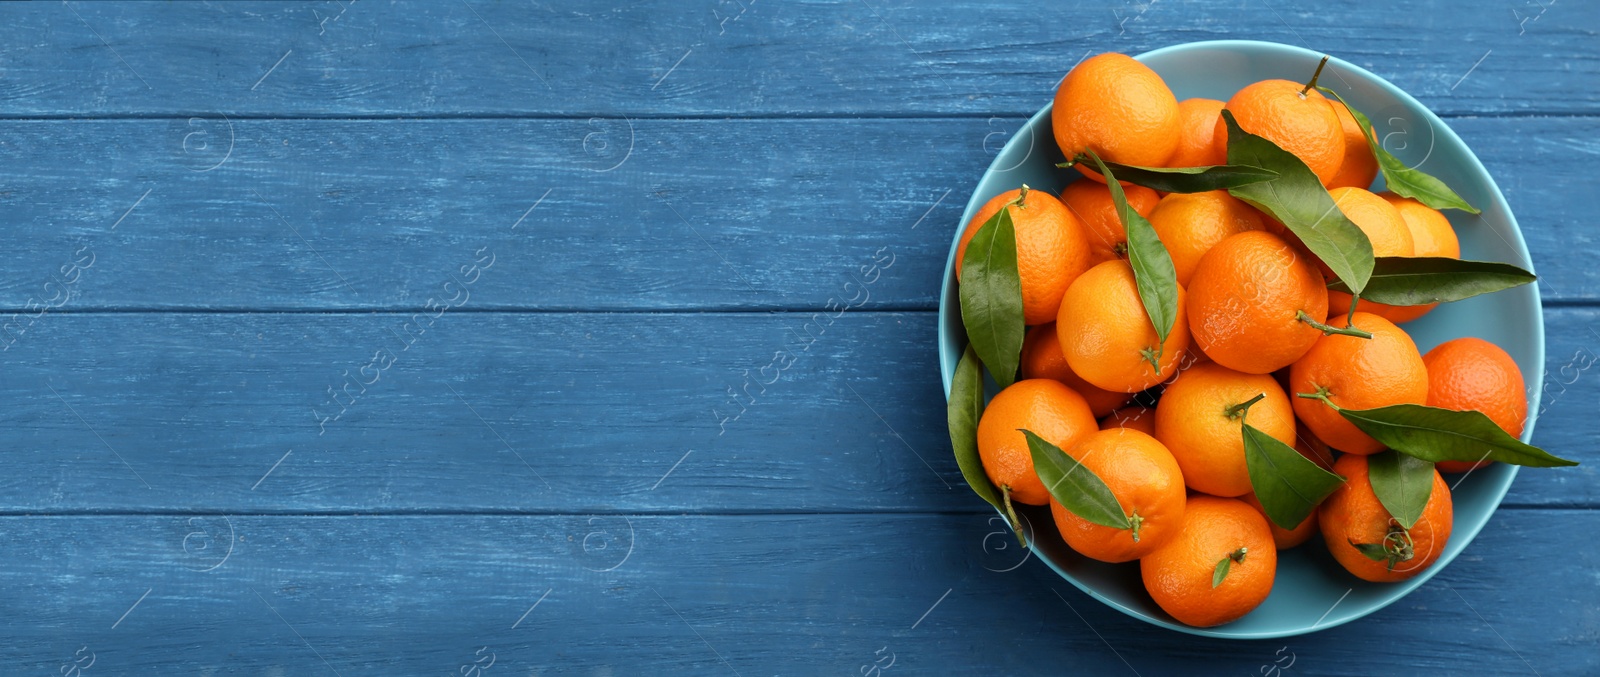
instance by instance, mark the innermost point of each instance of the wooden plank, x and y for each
(382, 214)
(1567, 424)
(475, 411)
(733, 57)
(379, 214)
(502, 412)
(1553, 218)
(748, 595)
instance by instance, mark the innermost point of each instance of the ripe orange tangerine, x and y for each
(1431, 235)
(1120, 109)
(1298, 120)
(1091, 202)
(1248, 303)
(1198, 123)
(1352, 372)
(1107, 336)
(1200, 418)
(1181, 575)
(1353, 516)
(1470, 373)
(1190, 224)
(1052, 411)
(1052, 249)
(1359, 168)
(1147, 485)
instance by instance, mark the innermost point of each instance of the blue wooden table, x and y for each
(402, 338)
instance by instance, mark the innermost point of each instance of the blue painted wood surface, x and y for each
(383, 338)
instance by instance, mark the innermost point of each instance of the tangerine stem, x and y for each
(1016, 524)
(1321, 394)
(1238, 410)
(1022, 196)
(1399, 545)
(1153, 356)
(1327, 329)
(1137, 521)
(1314, 76)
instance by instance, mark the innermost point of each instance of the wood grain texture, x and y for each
(547, 412)
(483, 411)
(672, 215)
(747, 595)
(378, 214)
(777, 58)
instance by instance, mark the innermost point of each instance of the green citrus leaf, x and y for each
(1434, 434)
(1403, 484)
(964, 410)
(1420, 280)
(1185, 179)
(1297, 199)
(1074, 486)
(1226, 563)
(1374, 551)
(1397, 546)
(991, 297)
(1221, 571)
(1400, 179)
(1287, 484)
(1153, 271)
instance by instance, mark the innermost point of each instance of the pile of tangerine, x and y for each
(1247, 287)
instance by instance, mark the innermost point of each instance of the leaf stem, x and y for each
(1237, 411)
(1327, 329)
(1080, 158)
(1314, 76)
(1016, 524)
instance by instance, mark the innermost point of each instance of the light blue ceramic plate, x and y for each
(1311, 591)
